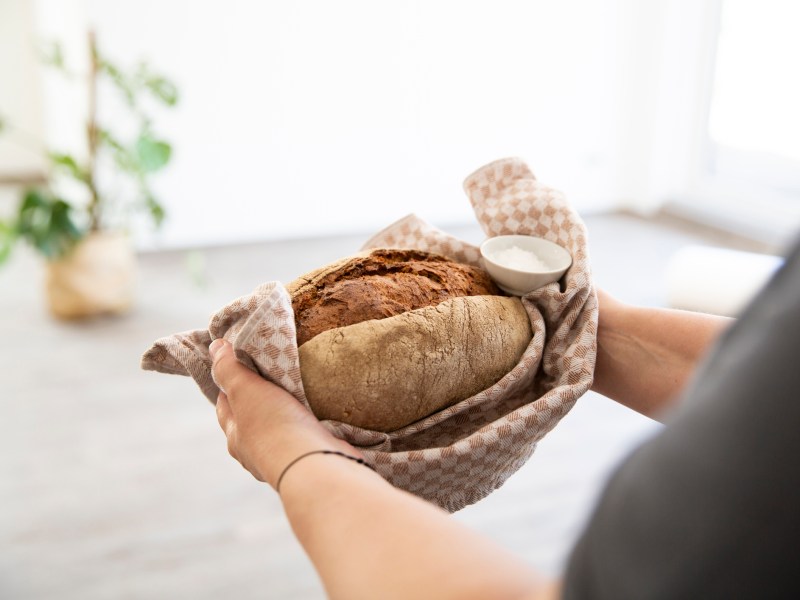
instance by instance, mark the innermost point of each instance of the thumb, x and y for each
(226, 370)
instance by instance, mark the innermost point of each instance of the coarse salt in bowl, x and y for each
(520, 264)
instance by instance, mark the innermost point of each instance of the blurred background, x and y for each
(273, 137)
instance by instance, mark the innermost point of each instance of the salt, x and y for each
(518, 258)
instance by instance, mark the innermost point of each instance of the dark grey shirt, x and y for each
(710, 508)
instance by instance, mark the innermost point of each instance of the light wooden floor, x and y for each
(115, 483)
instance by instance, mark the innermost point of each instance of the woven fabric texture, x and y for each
(459, 455)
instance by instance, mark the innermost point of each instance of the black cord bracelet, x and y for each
(360, 461)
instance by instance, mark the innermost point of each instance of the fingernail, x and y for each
(214, 347)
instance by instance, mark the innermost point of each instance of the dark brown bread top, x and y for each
(380, 284)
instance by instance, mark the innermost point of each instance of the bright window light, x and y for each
(756, 94)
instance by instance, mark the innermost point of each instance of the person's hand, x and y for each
(266, 426)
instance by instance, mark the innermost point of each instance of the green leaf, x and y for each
(124, 158)
(31, 201)
(104, 136)
(153, 154)
(120, 81)
(61, 221)
(70, 165)
(46, 223)
(159, 86)
(156, 209)
(8, 237)
(163, 89)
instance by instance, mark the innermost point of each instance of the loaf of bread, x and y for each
(390, 336)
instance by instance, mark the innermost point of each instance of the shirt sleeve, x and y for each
(710, 508)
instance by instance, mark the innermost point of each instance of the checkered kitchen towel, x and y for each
(458, 455)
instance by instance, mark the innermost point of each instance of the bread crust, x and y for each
(385, 374)
(379, 284)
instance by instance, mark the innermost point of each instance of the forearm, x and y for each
(645, 356)
(366, 538)
(370, 540)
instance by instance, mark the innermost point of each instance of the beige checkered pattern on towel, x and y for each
(459, 455)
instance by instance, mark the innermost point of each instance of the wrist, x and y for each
(289, 445)
(325, 477)
(336, 453)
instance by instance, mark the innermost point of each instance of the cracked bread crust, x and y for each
(380, 284)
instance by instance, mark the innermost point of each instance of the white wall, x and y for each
(20, 90)
(313, 117)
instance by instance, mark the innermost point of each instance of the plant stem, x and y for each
(91, 132)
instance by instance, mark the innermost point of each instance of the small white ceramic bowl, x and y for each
(520, 282)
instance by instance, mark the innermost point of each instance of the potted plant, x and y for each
(76, 221)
